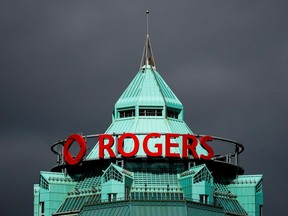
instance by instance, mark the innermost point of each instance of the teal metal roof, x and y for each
(220, 184)
(148, 89)
(249, 191)
(155, 179)
(230, 205)
(224, 197)
(151, 208)
(247, 180)
(48, 178)
(51, 177)
(88, 180)
(199, 173)
(146, 125)
(84, 192)
(198, 168)
(119, 169)
(77, 202)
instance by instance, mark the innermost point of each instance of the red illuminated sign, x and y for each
(106, 143)
(82, 144)
(189, 144)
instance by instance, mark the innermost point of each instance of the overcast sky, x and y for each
(64, 64)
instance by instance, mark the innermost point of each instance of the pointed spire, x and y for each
(147, 56)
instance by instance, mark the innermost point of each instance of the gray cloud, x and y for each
(65, 63)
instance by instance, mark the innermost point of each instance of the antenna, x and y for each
(147, 56)
(147, 16)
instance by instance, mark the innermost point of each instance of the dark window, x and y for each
(168, 196)
(41, 208)
(261, 210)
(109, 197)
(137, 195)
(112, 197)
(173, 113)
(158, 196)
(150, 112)
(127, 192)
(177, 196)
(132, 196)
(127, 113)
(203, 198)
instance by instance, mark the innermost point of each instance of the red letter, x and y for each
(169, 145)
(210, 151)
(67, 155)
(120, 144)
(157, 145)
(108, 146)
(188, 145)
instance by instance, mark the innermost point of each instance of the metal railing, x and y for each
(148, 199)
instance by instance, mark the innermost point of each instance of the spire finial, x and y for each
(147, 16)
(147, 56)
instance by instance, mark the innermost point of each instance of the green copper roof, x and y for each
(148, 89)
(146, 125)
(247, 180)
(147, 105)
(151, 208)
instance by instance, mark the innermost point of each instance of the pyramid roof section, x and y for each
(148, 89)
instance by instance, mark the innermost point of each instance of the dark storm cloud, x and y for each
(65, 63)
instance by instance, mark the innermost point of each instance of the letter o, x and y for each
(67, 155)
(120, 145)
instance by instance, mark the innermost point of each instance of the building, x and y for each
(148, 162)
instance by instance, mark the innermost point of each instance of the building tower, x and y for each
(148, 162)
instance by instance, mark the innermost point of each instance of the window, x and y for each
(127, 113)
(41, 212)
(150, 112)
(127, 193)
(112, 197)
(203, 198)
(173, 113)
